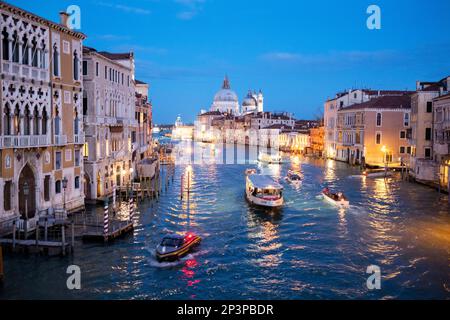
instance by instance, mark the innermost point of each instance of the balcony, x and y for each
(29, 72)
(60, 140)
(24, 141)
(78, 138)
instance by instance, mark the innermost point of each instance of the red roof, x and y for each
(384, 102)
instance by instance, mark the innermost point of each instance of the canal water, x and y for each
(307, 250)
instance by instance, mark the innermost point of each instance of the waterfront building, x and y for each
(226, 100)
(143, 136)
(423, 168)
(109, 109)
(441, 146)
(40, 124)
(317, 136)
(341, 101)
(181, 131)
(374, 132)
(294, 140)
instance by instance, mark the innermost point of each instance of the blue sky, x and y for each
(298, 52)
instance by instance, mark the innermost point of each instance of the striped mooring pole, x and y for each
(131, 210)
(106, 222)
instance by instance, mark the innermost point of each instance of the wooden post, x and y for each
(14, 234)
(182, 187)
(73, 235)
(1, 265)
(46, 229)
(63, 239)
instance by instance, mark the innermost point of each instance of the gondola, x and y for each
(174, 247)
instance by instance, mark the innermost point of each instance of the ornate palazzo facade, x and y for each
(40, 105)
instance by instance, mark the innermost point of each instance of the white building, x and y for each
(109, 107)
(253, 102)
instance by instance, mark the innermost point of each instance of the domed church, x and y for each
(226, 100)
(253, 102)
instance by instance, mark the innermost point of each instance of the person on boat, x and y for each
(340, 196)
(326, 190)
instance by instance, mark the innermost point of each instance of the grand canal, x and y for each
(307, 250)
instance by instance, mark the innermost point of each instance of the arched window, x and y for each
(25, 47)
(57, 123)
(15, 48)
(75, 66)
(76, 123)
(7, 121)
(5, 44)
(34, 54)
(58, 186)
(42, 51)
(26, 121)
(36, 121)
(17, 120)
(378, 119)
(44, 122)
(55, 61)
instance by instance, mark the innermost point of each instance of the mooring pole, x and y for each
(1, 265)
(14, 234)
(63, 239)
(37, 234)
(73, 235)
(46, 229)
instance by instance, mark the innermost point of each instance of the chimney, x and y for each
(448, 84)
(417, 85)
(63, 18)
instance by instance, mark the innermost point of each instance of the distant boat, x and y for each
(294, 177)
(337, 199)
(269, 158)
(263, 191)
(378, 173)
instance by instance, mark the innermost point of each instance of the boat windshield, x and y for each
(261, 193)
(171, 242)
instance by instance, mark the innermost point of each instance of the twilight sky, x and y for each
(298, 52)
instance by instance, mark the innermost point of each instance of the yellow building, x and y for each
(40, 123)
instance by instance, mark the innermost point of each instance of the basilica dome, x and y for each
(226, 100)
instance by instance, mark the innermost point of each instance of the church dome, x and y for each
(226, 95)
(249, 102)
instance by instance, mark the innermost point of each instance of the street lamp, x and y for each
(64, 184)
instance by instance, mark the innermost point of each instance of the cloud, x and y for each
(125, 8)
(190, 8)
(147, 69)
(141, 49)
(332, 57)
(111, 37)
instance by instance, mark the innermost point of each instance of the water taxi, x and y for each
(377, 173)
(156, 130)
(269, 158)
(294, 177)
(337, 199)
(263, 191)
(174, 247)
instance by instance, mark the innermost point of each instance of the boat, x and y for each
(263, 191)
(269, 158)
(156, 130)
(377, 173)
(294, 177)
(337, 199)
(250, 171)
(173, 247)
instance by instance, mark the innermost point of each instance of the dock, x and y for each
(50, 248)
(117, 231)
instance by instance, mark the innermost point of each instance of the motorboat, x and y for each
(263, 191)
(377, 173)
(337, 199)
(173, 247)
(156, 129)
(294, 177)
(269, 158)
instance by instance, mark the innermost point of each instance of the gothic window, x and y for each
(5, 44)
(44, 122)
(75, 66)
(57, 123)
(27, 121)
(76, 122)
(17, 120)
(47, 188)
(36, 121)
(15, 49)
(42, 52)
(34, 60)
(25, 59)
(7, 120)
(55, 61)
